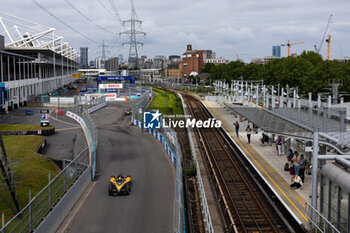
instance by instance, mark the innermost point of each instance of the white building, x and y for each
(32, 64)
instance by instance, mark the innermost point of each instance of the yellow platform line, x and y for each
(262, 169)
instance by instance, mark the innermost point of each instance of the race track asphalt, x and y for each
(125, 149)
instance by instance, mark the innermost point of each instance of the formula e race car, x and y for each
(119, 185)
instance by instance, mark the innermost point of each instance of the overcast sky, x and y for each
(229, 27)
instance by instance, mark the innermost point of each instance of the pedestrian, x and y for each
(290, 155)
(296, 163)
(249, 132)
(279, 145)
(237, 128)
(302, 163)
(296, 182)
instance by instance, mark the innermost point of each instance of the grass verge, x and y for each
(166, 102)
(31, 169)
(12, 127)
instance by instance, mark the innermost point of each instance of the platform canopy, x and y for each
(287, 121)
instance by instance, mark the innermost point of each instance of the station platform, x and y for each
(265, 159)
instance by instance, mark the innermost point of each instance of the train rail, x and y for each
(240, 197)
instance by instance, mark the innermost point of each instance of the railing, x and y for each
(203, 199)
(322, 224)
(29, 218)
(170, 142)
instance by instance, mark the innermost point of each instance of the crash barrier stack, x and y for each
(202, 196)
(47, 209)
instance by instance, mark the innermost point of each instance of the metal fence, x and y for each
(140, 104)
(203, 199)
(29, 218)
(322, 224)
(168, 138)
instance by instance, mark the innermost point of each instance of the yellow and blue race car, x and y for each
(119, 185)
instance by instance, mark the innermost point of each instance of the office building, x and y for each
(276, 51)
(84, 58)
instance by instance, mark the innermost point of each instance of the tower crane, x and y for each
(290, 44)
(318, 49)
(328, 47)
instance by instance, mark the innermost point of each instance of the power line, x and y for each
(87, 18)
(64, 23)
(110, 12)
(111, 2)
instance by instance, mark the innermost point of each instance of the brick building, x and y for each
(174, 72)
(192, 61)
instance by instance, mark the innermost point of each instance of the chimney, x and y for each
(189, 48)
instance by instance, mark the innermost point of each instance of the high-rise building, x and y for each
(84, 57)
(112, 64)
(276, 51)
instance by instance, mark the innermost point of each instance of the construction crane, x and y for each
(318, 49)
(290, 44)
(328, 47)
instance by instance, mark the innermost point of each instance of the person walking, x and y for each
(302, 163)
(279, 145)
(249, 132)
(237, 128)
(296, 163)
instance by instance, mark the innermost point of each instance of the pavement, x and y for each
(265, 159)
(126, 149)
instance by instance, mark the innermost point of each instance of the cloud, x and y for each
(225, 26)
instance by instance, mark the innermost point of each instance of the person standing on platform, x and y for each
(302, 163)
(249, 132)
(237, 128)
(296, 163)
(279, 145)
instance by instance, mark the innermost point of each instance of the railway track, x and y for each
(239, 196)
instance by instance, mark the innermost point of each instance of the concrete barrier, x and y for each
(57, 215)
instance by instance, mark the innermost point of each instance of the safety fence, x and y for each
(47, 209)
(202, 196)
(160, 138)
(322, 224)
(32, 215)
(169, 140)
(139, 105)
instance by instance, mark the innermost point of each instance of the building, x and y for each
(151, 75)
(192, 61)
(112, 64)
(91, 64)
(159, 62)
(264, 60)
(216, 61)
(209, 54)
(174, 58)
(84, 58)
(28, 71)
(276, 51)
(343, 60)
(174, 72)
(98, 63)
